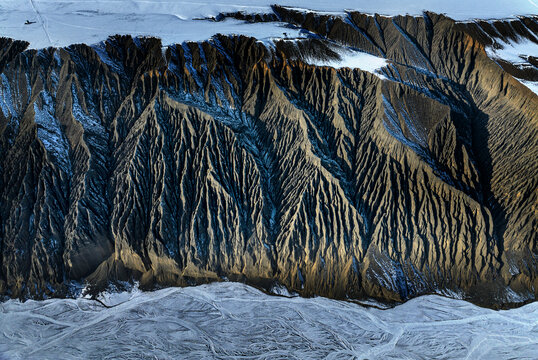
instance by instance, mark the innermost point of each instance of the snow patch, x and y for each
(6, 103)
(451, 294)
(281, 290)
(532, 85)
(515, 52)
(50, 133)
(512, 296)
(89, 123)
(113, 298)
(353, 60)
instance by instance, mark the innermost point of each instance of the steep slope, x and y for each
(231, 158)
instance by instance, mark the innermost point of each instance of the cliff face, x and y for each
(229, 158)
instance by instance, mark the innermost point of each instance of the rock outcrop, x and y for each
(231, 159)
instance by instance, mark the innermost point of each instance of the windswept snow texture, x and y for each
(64, 22)
(234, 321)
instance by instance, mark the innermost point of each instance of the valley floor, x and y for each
(235, 321)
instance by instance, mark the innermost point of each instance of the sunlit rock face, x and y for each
(234, 158)
(233, 321)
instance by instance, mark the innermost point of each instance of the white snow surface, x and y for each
(532, 85)
(235, 321)
(515, 52)
(64, 22)
(353, 59)
(50, 133)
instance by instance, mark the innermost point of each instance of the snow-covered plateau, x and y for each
(234, 321)
(64, 22)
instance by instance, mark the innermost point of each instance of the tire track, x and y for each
(41, 21)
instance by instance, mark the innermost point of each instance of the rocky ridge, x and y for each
(236, 159)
